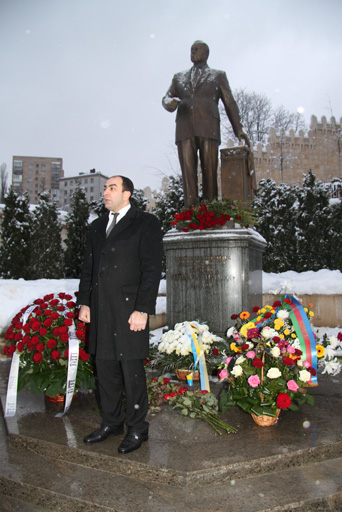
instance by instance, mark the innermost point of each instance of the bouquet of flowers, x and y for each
(265, 370)
(194, 404)
(212, 214)
(329, 353)
(174, 352)
(41, 338)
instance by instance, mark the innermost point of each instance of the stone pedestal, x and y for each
(212, 274)
(236, 181)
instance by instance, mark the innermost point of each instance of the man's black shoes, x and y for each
(102, 433)
(132, 442)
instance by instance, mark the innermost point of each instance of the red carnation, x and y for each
(55, 331)
(64, 337)
(166, 380)
(276, 304)
(26, 328)
(48, 297)
(54, 302)
(55, 354)
(54, 316)
(67, 297)
(34, 340)
(215, 351)
(70, 314)
(66, 353)
(276, 339)
(71, 304)
(63, 329)
(267, 315)
(234, 317)
(20, 346)
(60, 308)
(38, 311)
(80, 325)
(255, 309)
(257, 363)
(67, 322)
(283, 401)
(288, 361)
(37, 357)
(40, 347)
(18, 326)
(83, 355)
(43, 331)
(61, 295)
(245, 346)
(17, 337)
(51, 344)
(47, 312)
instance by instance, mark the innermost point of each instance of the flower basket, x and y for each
(181, 375)
(266, 421)
(39, 333)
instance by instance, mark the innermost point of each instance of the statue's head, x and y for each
(199, 52)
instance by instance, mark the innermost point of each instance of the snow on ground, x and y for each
(16, 294)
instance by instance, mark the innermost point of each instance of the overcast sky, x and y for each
(83, 79)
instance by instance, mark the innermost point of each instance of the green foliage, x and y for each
(302, 226)
(16, 242)
(47, 253)
(77, 228)
(169, 202)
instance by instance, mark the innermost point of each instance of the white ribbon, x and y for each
(72, 369)
(12, 386)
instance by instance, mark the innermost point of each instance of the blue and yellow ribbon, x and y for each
(193, 330)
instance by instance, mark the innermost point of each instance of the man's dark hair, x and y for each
(127, 184)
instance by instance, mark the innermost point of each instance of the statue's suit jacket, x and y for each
(198, 113)
(121, 274)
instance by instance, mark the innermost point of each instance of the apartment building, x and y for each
(92, 182)
(35, 174)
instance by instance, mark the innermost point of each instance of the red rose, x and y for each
(288, 361)
(67, 322)
(244, 346)
(38, 301)
(257, 363)
(276, 304)
(26, 328)
(43, 305)
(37, 357)
(54, 302)
(48, 322)
(66, 353)
(36, 326)
(42, 331)
(339, 336)
(47, 312)
(80, 334)
(51, 343)
(312, 371)
(215, 351)
(34, 340)
(71, 304)
(255, 309)
(63, 329)
(61, 295)
(166, 380)
(234, 317)
(283, 401)
(276, 339)
(55, 331)
(54, 316)
(18, 326)
(83, 355)
(38, 311)
(70, 314)
(80, 325)
(267, 315)
(40, 347)
(67, 297)
(20, 346)
(298, 352)
(60, 308)
(48, 297)
(17, 337)
(26, 338)
(64, 337)
(55, 354)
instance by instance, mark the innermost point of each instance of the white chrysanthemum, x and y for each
(304, 375)
(282, 313)
(296, 343)
(273, 373)
(240, 360)
(275, 351)
(268, 332)
(300, 363)
(237, 370)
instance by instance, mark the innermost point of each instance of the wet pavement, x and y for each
(293, 465)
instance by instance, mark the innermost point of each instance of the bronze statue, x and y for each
(196, 93)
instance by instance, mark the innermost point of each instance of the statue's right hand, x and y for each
(84, 314)
(170, 104)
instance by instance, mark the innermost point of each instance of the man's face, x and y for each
(198, 53)
(114, 197)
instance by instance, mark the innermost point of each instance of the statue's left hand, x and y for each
(244, 136)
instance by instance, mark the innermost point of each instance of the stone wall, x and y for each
(287, 156)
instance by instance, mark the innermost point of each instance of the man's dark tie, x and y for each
(195, 76)
(114, 216)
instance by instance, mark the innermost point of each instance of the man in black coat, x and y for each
(117, 292)
(196, 93)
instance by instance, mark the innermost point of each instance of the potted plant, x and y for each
(41, 340)
(265, 371)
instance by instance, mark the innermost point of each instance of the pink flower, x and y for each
(291, 350)
(223, 374)
(250, 354)
(292, 385)
(254, 381)
(227, 361)
(306, 364)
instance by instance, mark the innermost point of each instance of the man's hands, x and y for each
(244, 136)
(170, 104)
(84, 314)
(137, 321)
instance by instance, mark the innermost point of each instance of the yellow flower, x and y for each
(268, 307)
(281, 336)
(311, 313)
(244, 315)
(235, 348)
(286, 332)
(306, 310)
(258, 318)
(246, 327)
(320, 350)
(293, 335)
(272, 311)
(263, 310)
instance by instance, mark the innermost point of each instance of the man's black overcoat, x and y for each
(121, 274)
